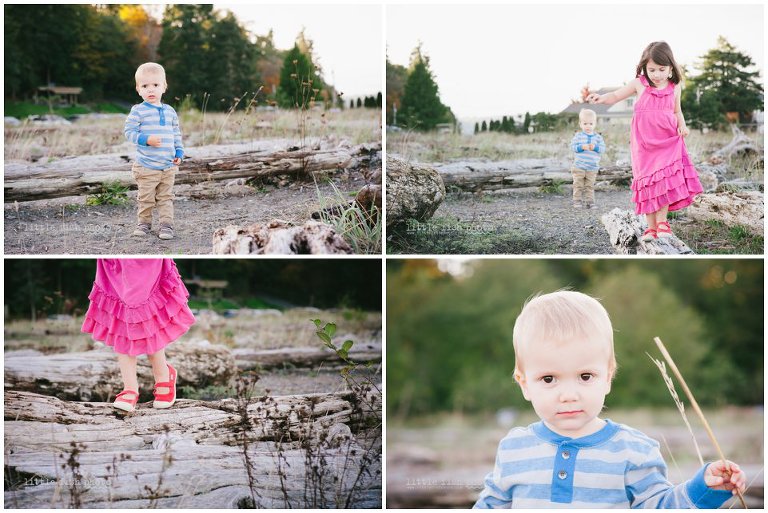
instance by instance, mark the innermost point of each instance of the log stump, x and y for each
(733, 208)
(279, 238)
(414, 191)
(625, 229)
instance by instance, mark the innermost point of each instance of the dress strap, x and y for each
(643, 80)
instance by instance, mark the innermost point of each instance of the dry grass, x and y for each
(98, 136)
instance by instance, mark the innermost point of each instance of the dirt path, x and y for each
(68, 226)
(521, 222)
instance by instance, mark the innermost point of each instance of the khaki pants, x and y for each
(583, 185)
(155, 189)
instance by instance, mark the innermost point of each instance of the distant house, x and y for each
(619, 113)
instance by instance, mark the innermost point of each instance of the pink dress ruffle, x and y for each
(663, 172)
(138, 306)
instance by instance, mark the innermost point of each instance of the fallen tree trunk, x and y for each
(279, 238)
(87, 175)
(94, 375)
(625, 229)
(304, 357)
(503, 177)
(194, 454)
(732, 208)
(740, 143)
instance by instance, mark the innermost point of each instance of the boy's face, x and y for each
(567, 383)
(151, 87)
(587, 124)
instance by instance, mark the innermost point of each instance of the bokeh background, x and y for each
(450, 392)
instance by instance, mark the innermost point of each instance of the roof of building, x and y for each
(61, 89)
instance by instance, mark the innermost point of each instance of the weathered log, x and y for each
(87, 175)
(94, 375)
(625, 229)
(305, 357)
(318, 442)
(491, 176)
(742, 208)
(414, 191)
(740, 143)
(279, 238)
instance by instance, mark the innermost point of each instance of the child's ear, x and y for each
(520, 378)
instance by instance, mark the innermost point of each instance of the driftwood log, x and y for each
(414, 191)
(500, 175)
(742, 208)
(87, 175)
(94, 375)
(279, 238)
(740, 143)
(302, 451)
(304, 357)
(625, 229)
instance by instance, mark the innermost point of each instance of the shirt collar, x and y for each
(546, 434)
(158, 107)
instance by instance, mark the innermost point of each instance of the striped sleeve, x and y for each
(576, 143)
(177, 144)
(493, 495)
(132, 128)
(599, 144)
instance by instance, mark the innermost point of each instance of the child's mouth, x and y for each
(570, 413)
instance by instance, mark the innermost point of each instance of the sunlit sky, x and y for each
(491, 60)
(347, 38)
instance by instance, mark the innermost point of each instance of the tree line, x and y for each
(449, 337)
(211, 60)
(35, 288)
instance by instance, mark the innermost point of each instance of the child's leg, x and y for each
(579, 176)
(147, 180)
(127, 365)
(661, 215)
(165, 196)
(589, 187)
(159, 369)
(651, 220)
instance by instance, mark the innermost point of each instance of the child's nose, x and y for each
(568, 394)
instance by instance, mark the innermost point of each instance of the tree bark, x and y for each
(490, 179)
(193, 455)
(305, 357)
(94, 375)
(742, 208)
(625, 229)
(87, 175)
(279, 238)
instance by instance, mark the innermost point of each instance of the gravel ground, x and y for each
(519, 222)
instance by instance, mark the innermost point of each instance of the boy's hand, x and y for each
(586, 147)
(717, 477)
(176, 161)
(591, 147)
(154, 140)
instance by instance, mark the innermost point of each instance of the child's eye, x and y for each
(586, 376)
(548, 379)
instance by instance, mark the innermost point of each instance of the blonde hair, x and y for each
(149, 68)
(561, 316)
(583, 113)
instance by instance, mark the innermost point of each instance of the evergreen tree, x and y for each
(378, 99)
(421, 107)
(526, 122)
(477, 128)
(231, 71)
(359, 103)
(726, 72)
(396, 78)
(298, 79)
(484, 127)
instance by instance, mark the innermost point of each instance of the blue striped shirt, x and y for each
(146, 119)
(588, 160)
(616, 467)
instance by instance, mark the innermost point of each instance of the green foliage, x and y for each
(725, 84)
(421, 107)
(554, 187)
(396, 77)
(299, 82)
(112, 193)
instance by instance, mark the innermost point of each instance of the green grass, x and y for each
(259, 304)
(446, 235)
(220, 305)
(714, 237)
(22, 110)
(112, 193)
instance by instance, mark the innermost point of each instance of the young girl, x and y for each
(664, 177)
(139, 306)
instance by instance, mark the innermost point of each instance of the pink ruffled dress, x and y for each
(138, 306)
(662, 170)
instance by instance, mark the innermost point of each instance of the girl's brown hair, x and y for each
(660, 53)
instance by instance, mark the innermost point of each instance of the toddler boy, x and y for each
(587, 145)
(154, 128)
(564, 364)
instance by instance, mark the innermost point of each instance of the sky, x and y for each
(347, 38)
(493, 60)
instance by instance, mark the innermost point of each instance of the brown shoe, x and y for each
(166, 232)
(142, 229)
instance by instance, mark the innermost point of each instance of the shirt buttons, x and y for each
(562, 474)
(565, 454)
